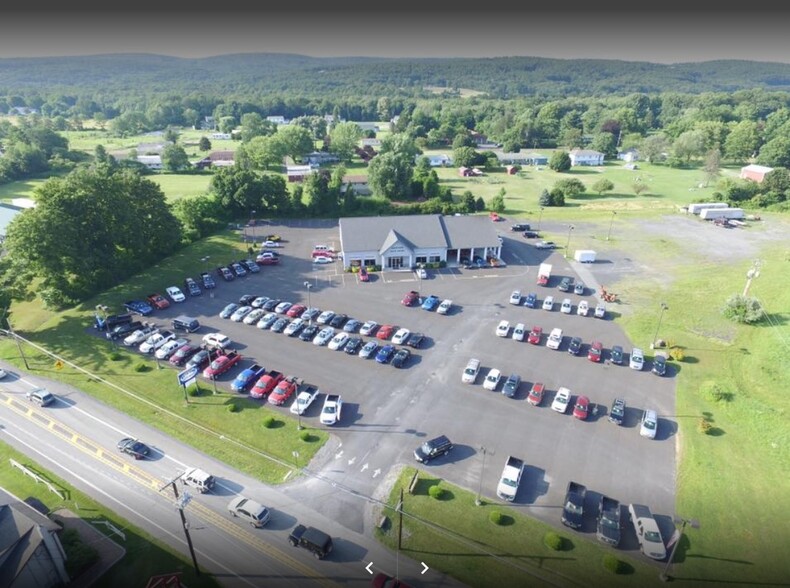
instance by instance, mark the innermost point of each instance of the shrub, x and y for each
(306, 436)
(233, 407)
(268, 422)
(115, 356)
(742, 309)
(613, 564)
(436, 492)
(715, 392)
(194, 391)
(495, 517)
(704, 426)
(553, 541)
(141, 367)
(676, 354)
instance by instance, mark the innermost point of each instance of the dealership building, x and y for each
(402, 242)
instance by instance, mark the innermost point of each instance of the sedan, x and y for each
(200, 360)
(385, 354)
(183, 353)
(239, 314)
(385, 332)
(311, 313)
(337, 342)
(352, 326)
(535, 396)
(535, 335)
(545, 245)
(659, 365)
(259, 301)
(228, 310)
(324, 336)
(368, 328)
(271, 304)
(492, 378)
(579, 288)
(649, 424)
(616, 354)
(617, 412)
(175, 293)
(247, 299)
(266, 321)
(133, 447)
(253, 316)
(511, 385)
(637, 359)
(279, 325)
(410, 298)
(561, 400)
(363, 275)
(401, 357)
(400, 336)
(296, 310)
(583, 308)
(531, 300)
(445, 307)
(293, 328)
(575, 345)
(415, 340)
(338, 320)
(431, 302)
(503, 328)
(368, 349)
(515, 297)
(519, 332)
(566, 306)
(353, 345)
(582, 407)
(548, 303)
(271, 244)
(309, 333)
(595, 354)
(283, 307)
(325, 317)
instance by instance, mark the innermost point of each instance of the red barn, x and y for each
(756, 173)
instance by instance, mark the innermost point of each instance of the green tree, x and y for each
(743, 141)
(174, 158)
(777, 180)
(254, 125)
(291, 140)
(560, 161)
(638, 187)
(712, 167)
(465, 156)
(204, 144)
(468, 201)
(743, 309)
(344, 138)
(602, 185)
(775, 153)
(545, 198)
(688, 145)
(570, 187)
(654, 148)
(498, 203)
(171, 135)
(389, 175)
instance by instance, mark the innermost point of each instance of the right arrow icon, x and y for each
(424, 566)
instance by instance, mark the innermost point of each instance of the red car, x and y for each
(596, 352)
(535, 396)
(581, 408)
(221, 365)
(411, 298)
(296, 310)
(534, 335)
(284, 390)
(266, 384)
(183, 353)
(158, 301)
(385, 332)
(363, 275)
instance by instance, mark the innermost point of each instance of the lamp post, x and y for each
(252, 222)
(479, 502)
(676, 537)
(660, 316)
(614, 214)
(309, 287)
(540, 218)
(568, 244)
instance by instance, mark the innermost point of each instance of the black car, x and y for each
(520, 227)
(575, 346)
(432, 449)
(401, 357)
(353, 345)
(415, 340)
(133, 447)
(200, 360)
(192, 287)
(271, 304)
(123, 329)
(309, 332)
(208, 281)
(250, 266)
(531, 234)
(247, 299)
(616, 354)
(617, 412)
(226, 274)
(659, 365)
(338, 320)
(566, 284)
(510, 388)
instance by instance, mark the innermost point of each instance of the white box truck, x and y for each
(584, 255)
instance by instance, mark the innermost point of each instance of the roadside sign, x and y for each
(58, 365)
(186, 376)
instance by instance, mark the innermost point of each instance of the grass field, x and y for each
(146, 555)
(178, 186)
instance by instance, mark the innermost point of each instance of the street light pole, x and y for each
(568, 244)
(614, 214)
(540, 218)
(309, 286)
(663, 576)
(479, 502)
(660, 316)
(252, 222)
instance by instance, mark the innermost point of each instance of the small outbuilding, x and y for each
(756, 173)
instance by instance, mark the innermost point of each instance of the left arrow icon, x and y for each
(367, 567)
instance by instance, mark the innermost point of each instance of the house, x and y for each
(402, 242)
(370, 142)
(297, 173)
(359, 184)
(208, 124)
(217, 159)
(153, 162)
(756, 173)
(368, 126)
(31, 553)
(585, 157)
(277, 119)
(479, 138)
(436, 160)
(629, 155)
(320, 158)
(469, 171)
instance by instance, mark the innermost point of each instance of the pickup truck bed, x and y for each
(573, 507)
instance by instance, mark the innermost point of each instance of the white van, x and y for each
(196, 478)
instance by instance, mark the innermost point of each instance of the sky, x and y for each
(350, 28)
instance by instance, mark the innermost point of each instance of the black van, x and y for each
(186, 323)
(310, 538)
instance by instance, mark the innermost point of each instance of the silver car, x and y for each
(253, 512)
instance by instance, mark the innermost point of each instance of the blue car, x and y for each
(531, 300)
(431, 302)
(247, 378)
(385, 353)
(138, 306)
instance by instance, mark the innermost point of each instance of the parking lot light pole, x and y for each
(309, 287)
(568, 243)
(660, 316)
(252, 222)
(676, 538)
(614, 214)
(479, 502)
(540, 218)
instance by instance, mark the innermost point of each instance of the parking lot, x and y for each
(388, 411)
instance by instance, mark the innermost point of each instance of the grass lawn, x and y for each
(145, 555)
(178, 186)
(21, 189)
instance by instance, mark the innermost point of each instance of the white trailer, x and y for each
(700, 206)
(712, 213)
(584, 255)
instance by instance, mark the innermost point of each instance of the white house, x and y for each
(297, 173)
(629, 155)
(370, 142)
(277, 119)
(151, 161)
(437, 160)
(586, 157)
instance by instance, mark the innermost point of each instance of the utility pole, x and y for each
(399, 508)
(181, 503)
(568, 244)
(614, 214)
(478, 501)
(753, 272)
(663, 576)
(660, 316)
(18, 344)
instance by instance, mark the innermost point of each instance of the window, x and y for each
(421, 259)
(434, 259)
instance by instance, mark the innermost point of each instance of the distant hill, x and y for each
(266, 73)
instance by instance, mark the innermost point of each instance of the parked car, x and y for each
(431, 302)
(325, 317)
(293, 328)
(246, 299)
(616, 354)
(410, 298)
(554, 339)
(548, 303)
(385, 332)
(422, 273)
(566, 306)
(433, 448)
(279, 325)
(309, 332)
(445, 307)
(183, 354)
(352, 325)
(511, 385)
(138, 306)
(216, 341)
(578, 288)
(561, 400)
(649, 424)
(363, 274)
(600, 310)
(226, 274)
(369, 349)
(271, 304)
(169, 348)
(515, 297)
(545, 245)
(338, 320)
(637, 359)
(617, 411)
(296, 310)
(583, 308)
(324, 336)
(535, 335)
(250, 265)
(259, 301)
(519, 332)
(353, 345)
(238, 269)
(491, 381)
(336, 343)
(323, 260)
(400, 336)
(200, 360)
(659, 364)
(239, 314)
(384, 355)
(503, 328)
(415, 340)
(531, 300)
(595, 353)
(581, 407)
(283, 307)
(535, 396)
(368, 328)
(208, 281)
(401, 357)
(158, 301)
(566, 284)
(575, 345)
(228, 310)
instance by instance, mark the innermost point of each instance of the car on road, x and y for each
(400, 336)
(216, 341)
(548, 303)
(338, 320)
(445, 307)
(253, 316)
(518, 227)
(401, 357)
(293, 328)
(384, 355)
(431, 302)
(491, 381)
(581, 408)
(325, 317)
(561, 400)
(40, 396)
(133, 447)
(515, 297)
(239, 314)
(385, 332)
(503, 328)
(337, 342)
(279, 325)
(535, 335)
(369, 349)
(637, 359)
(578, 288)
(575, 345)
(324, 336)
(649, 424)
(183, 354)
(530, 234)
(511, 385)
(296, 310)
(545, 245)
(175, 293)
(531, 300)
(617, 411)
(566, 306)
(595, 353)
(158, 301)
(353, 345)
(616, 354)
(250, 511)
(309, 332)
(228, 310)
(583, 308)
(368, 328)
(139, 307)
(410, 298)
(535, 396)
(659, 364)
(555, 338)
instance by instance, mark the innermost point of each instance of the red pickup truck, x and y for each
(221, 364)
(266, 384)
(284, 390)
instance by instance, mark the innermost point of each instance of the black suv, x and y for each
(310, 538)
(566, 284)
(429, 450)
(192, 287)
(520, 227)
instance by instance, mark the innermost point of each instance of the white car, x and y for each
(169, 348)
(294, 327)
(259, 301)
(330, 413)
(239, 314)
(139, 336)
(400, 336)
(254, 316)
(561, 400)
(283, 307)
(304, 399)
(422, 274)
(555, 338)
(338, 341)
(600, 310)
(324, 336)
(503, 328)
(566, 306)
(548, 303)
(492, 378)
(519, 332)
(325, 317)
(445, 307)
(649, 424)
(368, 327)
(271, 245)
(175, 293)
(3, 373)
(216, 340)
(515, 297)
(637, 360)
(322, 260)
(583, 308)
(154, 342)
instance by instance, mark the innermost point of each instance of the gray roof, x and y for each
(422, 231)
